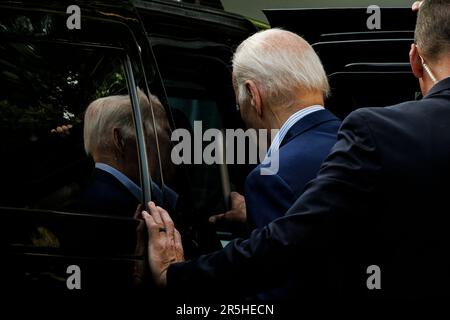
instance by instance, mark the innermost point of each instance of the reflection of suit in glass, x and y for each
(111, 192)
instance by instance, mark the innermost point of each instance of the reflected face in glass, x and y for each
(52, 94)
(158, 139)
(126, 154)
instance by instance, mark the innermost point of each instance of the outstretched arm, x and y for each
(341, 191)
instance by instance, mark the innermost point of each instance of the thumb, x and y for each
(234, 195)
(216, 218)
(416, 5)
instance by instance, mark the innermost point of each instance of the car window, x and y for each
(199, 90)
(52, 157)
(206, 179)
(65, 97)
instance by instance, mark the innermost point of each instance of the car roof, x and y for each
(47, 21)
(312, 24)
(180, 20)
(91, 7)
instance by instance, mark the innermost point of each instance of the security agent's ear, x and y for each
(254, 96)
(416, 5)
(118, 140)
(416, 62)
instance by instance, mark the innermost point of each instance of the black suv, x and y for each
(49, 73)
(181, 54)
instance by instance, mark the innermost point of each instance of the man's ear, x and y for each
(118, 140)
(416, 62)
(254, 96)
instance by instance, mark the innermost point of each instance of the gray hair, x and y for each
(280, 62)
(432, 34)
(105, 114)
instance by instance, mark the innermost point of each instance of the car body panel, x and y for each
(313, 23)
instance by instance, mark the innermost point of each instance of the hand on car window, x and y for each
(238, 212)
(164, 243)
(416, 5)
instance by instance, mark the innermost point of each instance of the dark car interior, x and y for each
(194, 54)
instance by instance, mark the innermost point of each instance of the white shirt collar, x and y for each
(157, 194)
(290, 122)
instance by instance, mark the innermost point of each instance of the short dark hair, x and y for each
(432, 34)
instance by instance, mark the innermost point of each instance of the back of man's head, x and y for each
(105, 114)
(433, 29)
(280, 63)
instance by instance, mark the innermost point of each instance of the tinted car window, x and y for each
(50, 76)
(205, 178)
(46, 86)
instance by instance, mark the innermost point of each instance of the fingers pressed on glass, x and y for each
(167, 221)
(152, 225)
(155, 213)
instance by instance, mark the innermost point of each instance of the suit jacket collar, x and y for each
(170, 196)
(107, 177)
(132, 187)
(307, 123)
(438, 87)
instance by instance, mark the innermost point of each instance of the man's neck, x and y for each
(107, 160)
(440, 70)
(285, 113)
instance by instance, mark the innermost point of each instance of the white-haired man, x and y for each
(280, 83)
(110, 139)
(374, 223)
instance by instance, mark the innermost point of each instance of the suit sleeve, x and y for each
(317, 221)
(267, 198)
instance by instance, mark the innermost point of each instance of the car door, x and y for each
(50, 75)
(193, 47)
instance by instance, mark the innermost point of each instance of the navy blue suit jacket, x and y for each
(301, 154)
(105, 194)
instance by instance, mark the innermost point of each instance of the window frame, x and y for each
(145, 175)
(81, 247)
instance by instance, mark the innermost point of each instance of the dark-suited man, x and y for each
(280, 83)
(109, 137)
(380, 202)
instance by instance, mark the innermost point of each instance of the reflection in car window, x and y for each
(46, 88)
